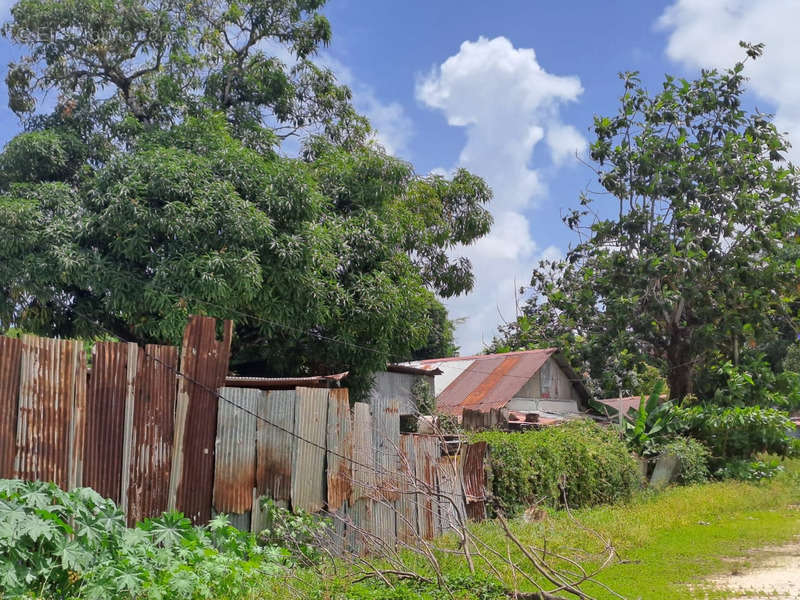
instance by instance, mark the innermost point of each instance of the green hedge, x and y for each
(591, 462)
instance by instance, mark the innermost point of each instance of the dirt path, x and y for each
(776, 577)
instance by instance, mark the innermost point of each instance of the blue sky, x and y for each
(508, 89)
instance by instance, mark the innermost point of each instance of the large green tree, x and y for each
(158, 188)
(683, 261)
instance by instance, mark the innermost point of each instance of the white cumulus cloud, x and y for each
(706, 33)
(507, 103)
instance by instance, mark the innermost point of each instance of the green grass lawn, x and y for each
(668, 540)
(679, 536)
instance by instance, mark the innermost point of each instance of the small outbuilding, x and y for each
(529, 381)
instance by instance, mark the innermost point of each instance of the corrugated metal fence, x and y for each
(124, 429)
(307, 449)
(145, 428)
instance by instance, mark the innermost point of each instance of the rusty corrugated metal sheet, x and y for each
(340, 448)
(474, 471)
(407, 512)
(78, 424)
(204, 364)
(308, 462)
(285, 383)
(427, 450)
(49, 372)
(274, 446)
(108, 392)
(491, 381)
(151, 442)
(10, 364)
(235, 470)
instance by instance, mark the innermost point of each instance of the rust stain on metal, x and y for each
(10, 365)
(474, 472)
(49, 371)
(204, 364)
(105, 418)
(340, 449)
(308, 462)
(275, 445)
(426, 453)
(491, 381)
(235, 470)
(151, 444)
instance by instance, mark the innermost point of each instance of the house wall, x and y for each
(560, 397)
(389, 385)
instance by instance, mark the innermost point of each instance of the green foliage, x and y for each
(750, 383)
(301, 533)
(159, 188)
(699, 259)
(736, 433)
(647, 428)
(693, 456)
(749, 470)
(791, 362)
(580, 461)
(75, 545)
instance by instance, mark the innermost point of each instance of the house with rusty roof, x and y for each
(529, 381)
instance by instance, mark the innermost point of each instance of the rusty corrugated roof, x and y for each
(491, 380)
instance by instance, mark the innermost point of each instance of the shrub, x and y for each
(737, 433)
(580, 460)
(749, 470)
(301, 533)
(56, 544)
(693, 457)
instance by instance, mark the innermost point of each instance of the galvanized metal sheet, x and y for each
(386, 444)
(275, 445)
(107, 395)
(363, 454)
(427, 450)
(451, 499)
(49, 371)
(204, 364)
(10, 364)
(360, 534)
(407, 511)
(235, 470)
(151, 443)
(340, 449)
(308, 465)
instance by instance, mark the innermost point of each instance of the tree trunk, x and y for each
(680, 374)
